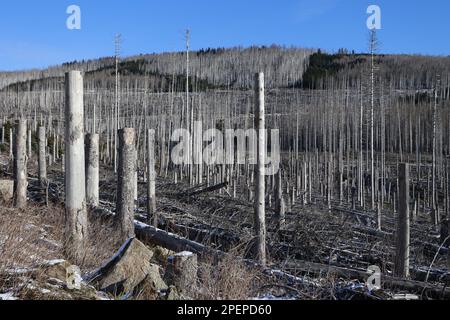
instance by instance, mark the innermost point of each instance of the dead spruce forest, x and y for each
(87, 178)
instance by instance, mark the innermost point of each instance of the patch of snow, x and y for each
(53, 262)
(185, 254)
(8, 296)
(30, 226)
(18, 271)
(269, 297)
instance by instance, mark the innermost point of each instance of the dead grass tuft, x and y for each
(229, 279)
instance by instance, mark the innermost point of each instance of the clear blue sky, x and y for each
(34, 33)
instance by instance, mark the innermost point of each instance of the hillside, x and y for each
(230, 69)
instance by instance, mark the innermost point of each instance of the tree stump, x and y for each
(182, 271)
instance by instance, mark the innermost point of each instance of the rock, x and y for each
(181, 271)
(126, 270)
(152, 288)
(162, 254)
(62, 271)
(74, 278)
(154, 279)
(41, 290)
(173, 295)
(6, 190)
(56, 269)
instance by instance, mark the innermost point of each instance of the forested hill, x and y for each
(399, 72)
(234, 68)
(224, 68)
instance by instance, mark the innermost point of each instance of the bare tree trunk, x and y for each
(11, 144)
(280, 205)
(260, 214)
(435, 212)
(403, 223)
(92, 170)
(125, 184)
(30, 150)
(20, 165)
(42, 160)
(151, 186)
(76, 214)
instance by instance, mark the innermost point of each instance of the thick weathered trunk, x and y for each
(75, 230)
(182, 271)
(125, 183)
(20, 165)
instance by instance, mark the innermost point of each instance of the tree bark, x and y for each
(20, 165)
(260, 215)
(151, 183)
(92, 170)
(75, 207)
(403, 223)
(280, 205)
(125, 183)
(42, 160)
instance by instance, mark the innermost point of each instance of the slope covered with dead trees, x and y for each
(363, 175)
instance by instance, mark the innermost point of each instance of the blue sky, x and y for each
(34, 33)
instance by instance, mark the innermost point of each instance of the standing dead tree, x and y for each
(260, 199)
(20, 165)
(42, 161)
(151, 184)
(75, 214)
(280, 205)
(403, 223)
(125, 184)
(92, 170)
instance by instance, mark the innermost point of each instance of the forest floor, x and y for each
(319, 254)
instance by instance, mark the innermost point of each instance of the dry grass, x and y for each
(103, 243)
(28, 237)
(229, 279)
(31, 236)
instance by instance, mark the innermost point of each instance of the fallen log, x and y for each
(425, 289)
(173, 242)
(176, 243)
(221, 239)
(204, 190)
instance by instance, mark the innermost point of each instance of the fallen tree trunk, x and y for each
(149, 234)
(423, 288)
(204, 190)
(171, 241)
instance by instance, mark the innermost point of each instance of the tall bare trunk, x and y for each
(260, 215)
(151, 187)
(20, 165)
(403, 223)
(76, 215)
